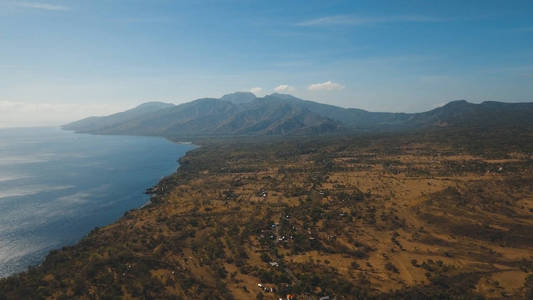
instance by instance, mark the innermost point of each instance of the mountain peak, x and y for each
(239, 97)
(457, 103)
(154, 105)
(282, 96)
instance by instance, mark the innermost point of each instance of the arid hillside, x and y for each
(417, 216)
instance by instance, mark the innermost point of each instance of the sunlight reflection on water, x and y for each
(55, 186)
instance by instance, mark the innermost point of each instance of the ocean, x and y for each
(56, 186)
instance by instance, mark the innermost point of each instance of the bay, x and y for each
(56, 186)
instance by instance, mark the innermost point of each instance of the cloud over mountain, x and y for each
(256, 90)
(325, 86)
(284, 88)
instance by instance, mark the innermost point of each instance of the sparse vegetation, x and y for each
(413, 216)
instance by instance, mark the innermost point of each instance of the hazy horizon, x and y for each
(52, 121)
(66, 60)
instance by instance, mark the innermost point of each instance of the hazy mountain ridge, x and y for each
(487, 114)
(244, 114)
(94, 123)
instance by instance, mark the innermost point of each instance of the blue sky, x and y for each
(69, 59)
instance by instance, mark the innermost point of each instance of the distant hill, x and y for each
(244, 114)
(97, 123)
(488, 114)
(239, 97)
(234, 114)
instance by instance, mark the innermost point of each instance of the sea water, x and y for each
(56, 186)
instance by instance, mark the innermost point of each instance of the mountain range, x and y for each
(244, 114)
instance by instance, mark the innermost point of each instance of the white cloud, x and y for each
(359, 20)
(43, 6)
(284, 88)
(256, 90)
(325, 86)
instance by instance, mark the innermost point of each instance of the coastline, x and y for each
(149, 201)
(154, 190)
(297, 214)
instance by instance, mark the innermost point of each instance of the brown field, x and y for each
(351, 218)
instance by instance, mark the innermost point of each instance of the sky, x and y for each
(65, 60)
